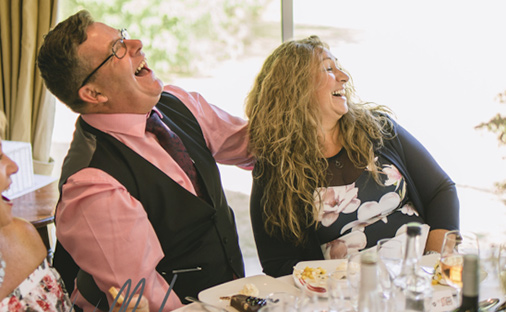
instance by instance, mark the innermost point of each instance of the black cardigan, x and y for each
(430, 189)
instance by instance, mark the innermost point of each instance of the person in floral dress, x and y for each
(27, 281)
(334, 174)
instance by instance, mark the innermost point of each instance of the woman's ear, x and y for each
(90, 95)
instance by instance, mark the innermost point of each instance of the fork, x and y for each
(206, 306)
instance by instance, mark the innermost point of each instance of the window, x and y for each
(224, 83)
(440, 66)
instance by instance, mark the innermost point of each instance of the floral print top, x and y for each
(42, 290)
(355, 211)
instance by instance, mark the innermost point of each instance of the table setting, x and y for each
(333, 285)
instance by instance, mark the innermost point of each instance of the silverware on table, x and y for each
(428, 270)
(206, 306)
(487, 304)
(502, 307)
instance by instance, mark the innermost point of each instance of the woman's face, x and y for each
(7, 168)
(330, 93)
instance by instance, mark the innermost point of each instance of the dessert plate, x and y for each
(266, 285)
(318, 285)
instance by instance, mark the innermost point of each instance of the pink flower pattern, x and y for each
(334, 200)
(42, 291)
(393, 175)
(344, 245)
(388, 201)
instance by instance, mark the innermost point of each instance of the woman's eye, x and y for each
(329, 69)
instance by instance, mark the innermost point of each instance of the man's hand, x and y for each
(142, 307)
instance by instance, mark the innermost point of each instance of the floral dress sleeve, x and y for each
(43, 290)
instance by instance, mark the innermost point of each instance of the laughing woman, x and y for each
(334, 174)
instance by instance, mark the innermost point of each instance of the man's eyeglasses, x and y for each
(119, 50)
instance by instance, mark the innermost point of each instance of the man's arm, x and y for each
(226, 135)
(108, 234)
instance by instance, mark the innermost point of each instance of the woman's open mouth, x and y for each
(6, 200)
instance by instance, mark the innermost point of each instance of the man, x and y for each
(127, 209)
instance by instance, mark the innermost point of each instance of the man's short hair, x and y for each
(58, 62)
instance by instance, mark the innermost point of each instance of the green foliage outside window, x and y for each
(497, 125)
(180, 37)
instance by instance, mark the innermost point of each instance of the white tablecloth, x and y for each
(489, 288)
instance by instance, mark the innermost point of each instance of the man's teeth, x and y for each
(141, 66)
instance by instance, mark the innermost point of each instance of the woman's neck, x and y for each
(331, 142)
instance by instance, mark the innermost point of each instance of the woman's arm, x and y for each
(435, 240)
(277, 256)
(436, 190)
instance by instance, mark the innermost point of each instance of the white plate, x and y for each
(429, 260)
(317, 287)
(265, 284)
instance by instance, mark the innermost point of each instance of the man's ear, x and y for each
(89, 94)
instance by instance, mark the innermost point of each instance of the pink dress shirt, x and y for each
(106, 230)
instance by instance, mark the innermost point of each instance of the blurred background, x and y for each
(440, 66)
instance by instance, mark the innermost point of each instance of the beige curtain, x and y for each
(25, 101)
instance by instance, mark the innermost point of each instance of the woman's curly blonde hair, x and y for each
(284, 123)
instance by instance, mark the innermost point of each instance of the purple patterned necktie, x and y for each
(173, 145)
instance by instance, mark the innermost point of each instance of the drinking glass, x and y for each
(455, 245)
(353, 277)
(338, 292)
(501, 267)
(283, 302)
(310, 301)
(390, 252)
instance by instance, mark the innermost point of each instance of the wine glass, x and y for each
(338, 292)
(390, 254)
(501, 267)
(455, 245)
(282, 302)
(353, 277)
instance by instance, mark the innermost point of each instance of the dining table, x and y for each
(38, 207)
(443, 295)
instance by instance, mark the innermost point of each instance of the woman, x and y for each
(334, 175)
(27, 281)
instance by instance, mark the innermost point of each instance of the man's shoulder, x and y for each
(173, 89)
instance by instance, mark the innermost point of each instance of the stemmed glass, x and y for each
(338, 292)
(282, 302)
(353, 277)
(501, 267)
(456, 244)
(390, 254)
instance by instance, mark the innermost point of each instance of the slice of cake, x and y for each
(245, 303)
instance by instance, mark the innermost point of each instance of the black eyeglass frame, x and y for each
(115, 49)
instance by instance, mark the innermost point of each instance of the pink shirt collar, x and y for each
(127, 124)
